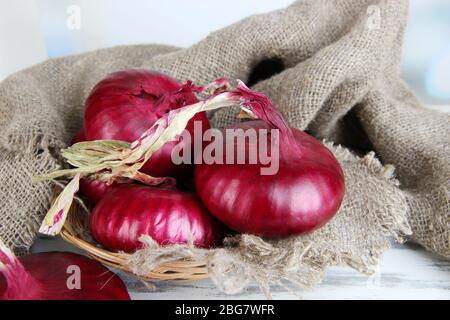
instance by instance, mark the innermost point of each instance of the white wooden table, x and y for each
(405, 272)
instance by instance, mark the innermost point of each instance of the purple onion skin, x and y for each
(46, 276)
(305, 194)
(127, 103)
(94, 190)
(167, 215)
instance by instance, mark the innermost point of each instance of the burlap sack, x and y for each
(340, 81)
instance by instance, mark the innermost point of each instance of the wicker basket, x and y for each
(180, 271)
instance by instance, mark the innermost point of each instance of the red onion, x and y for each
(94, 190)
(125, 104)
(167, 215)
(57, 276)
(304, 194)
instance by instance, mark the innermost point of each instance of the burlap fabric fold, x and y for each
(339, 79)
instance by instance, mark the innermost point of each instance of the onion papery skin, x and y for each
(167, 215)
(92, 190)
(127, 103)
(306, 192)
(44, 276)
